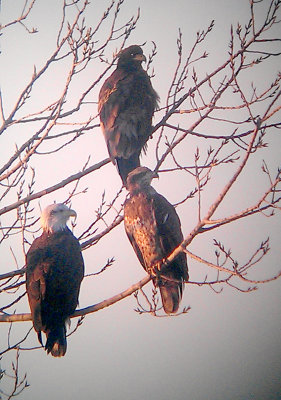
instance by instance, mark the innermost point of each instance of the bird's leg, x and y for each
(156, 268)
(151, 271)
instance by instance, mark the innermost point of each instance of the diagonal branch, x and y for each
(54, 187)
(87, 310)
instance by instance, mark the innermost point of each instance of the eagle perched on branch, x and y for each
(54, 271)
(154, 230)
(127, 102)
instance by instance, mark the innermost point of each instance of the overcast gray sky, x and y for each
(228, 346)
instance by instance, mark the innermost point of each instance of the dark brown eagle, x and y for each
(54, 271)
(154, 230)
(127, 102)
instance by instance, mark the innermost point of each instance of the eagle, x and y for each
(54, 272)
(154, 230)
(127, 102)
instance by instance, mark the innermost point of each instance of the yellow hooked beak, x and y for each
(140, 57)
(154, 174)
(71, 213)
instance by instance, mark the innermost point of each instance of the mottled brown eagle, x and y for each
(127, 102)
(54, 271)
(154, 230)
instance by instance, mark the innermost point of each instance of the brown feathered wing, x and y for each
(127, 102)
(154, 230)
(54, 273)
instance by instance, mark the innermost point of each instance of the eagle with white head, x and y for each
(54, 272)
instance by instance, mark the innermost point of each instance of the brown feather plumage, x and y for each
(54, 271)
(127, 102)
(154, 230)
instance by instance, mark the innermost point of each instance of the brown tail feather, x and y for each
(125, 166)
(56, 342)
(171, 297)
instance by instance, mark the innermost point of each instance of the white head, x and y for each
(54, 217)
